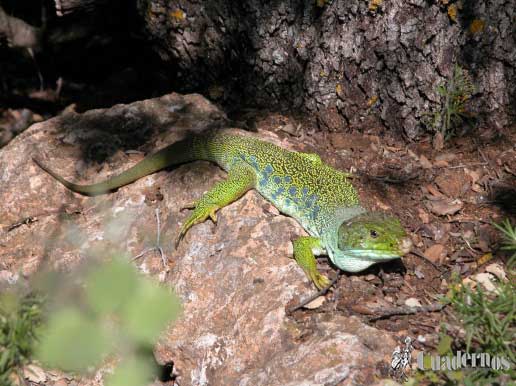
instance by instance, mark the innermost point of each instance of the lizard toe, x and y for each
(321, 281)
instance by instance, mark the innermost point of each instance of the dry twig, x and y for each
(314, 296)
(406, 310)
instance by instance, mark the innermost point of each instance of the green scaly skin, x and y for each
(300, 185)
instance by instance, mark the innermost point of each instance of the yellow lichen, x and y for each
(484, 258)
(338, 88)
(177, 15)
(477, 25)
(452, 12)
(372, 100)
(374, 4)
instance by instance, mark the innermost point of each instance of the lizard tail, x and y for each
(175, 154)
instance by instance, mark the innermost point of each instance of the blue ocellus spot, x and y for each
(292, 191)
(311, 200)
(278, 192)
(277, 180)
(288, 179)
(234, 160)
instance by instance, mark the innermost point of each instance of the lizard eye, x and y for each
(373, 233)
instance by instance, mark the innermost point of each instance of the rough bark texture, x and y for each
(17, 32)
(345, 63)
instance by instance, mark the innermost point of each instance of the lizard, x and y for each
(320, 197)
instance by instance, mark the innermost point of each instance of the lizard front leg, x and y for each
(304, 247)
(241, 178)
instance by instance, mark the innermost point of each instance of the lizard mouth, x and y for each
(374, 254)
(405, 245)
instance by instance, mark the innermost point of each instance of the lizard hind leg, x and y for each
(241, 178)
(304, 255)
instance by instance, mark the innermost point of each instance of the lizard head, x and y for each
(370, 238)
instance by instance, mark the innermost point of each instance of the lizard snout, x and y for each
(405, 245)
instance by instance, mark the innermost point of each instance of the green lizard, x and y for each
(300, 185)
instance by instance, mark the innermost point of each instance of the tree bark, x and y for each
(347, 63)
(67, 7)
(17, 32)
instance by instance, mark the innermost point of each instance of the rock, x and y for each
(291, 129)
(316, 303)
(452, 184)
(468, 282)
(34, 374)
(486, 280)
(497, 270)
(418, 271)
(446, 157)
(423, 216)
(412, 302)
(438, 141)
(444, 207)
(433, 193)
(441, 164)
(436, 253)
(8, 277)
(235, 278)
(425, 163)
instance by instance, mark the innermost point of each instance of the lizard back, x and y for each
(298, 184)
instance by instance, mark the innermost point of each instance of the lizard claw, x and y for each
(213, 216)
(199, 215)
(320, 281)
(178, 239)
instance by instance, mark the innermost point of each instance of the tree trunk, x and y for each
(349, 63)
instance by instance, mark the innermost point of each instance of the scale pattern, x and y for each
(298, 184)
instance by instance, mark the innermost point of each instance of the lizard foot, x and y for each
(320, 280)
(199, 215)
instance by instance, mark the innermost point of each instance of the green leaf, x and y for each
(111, 287)
(457, 376)
(132, 372)
(72, 342)
(444, 345)
(441, 90)
(149, 312)
(9, 304)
